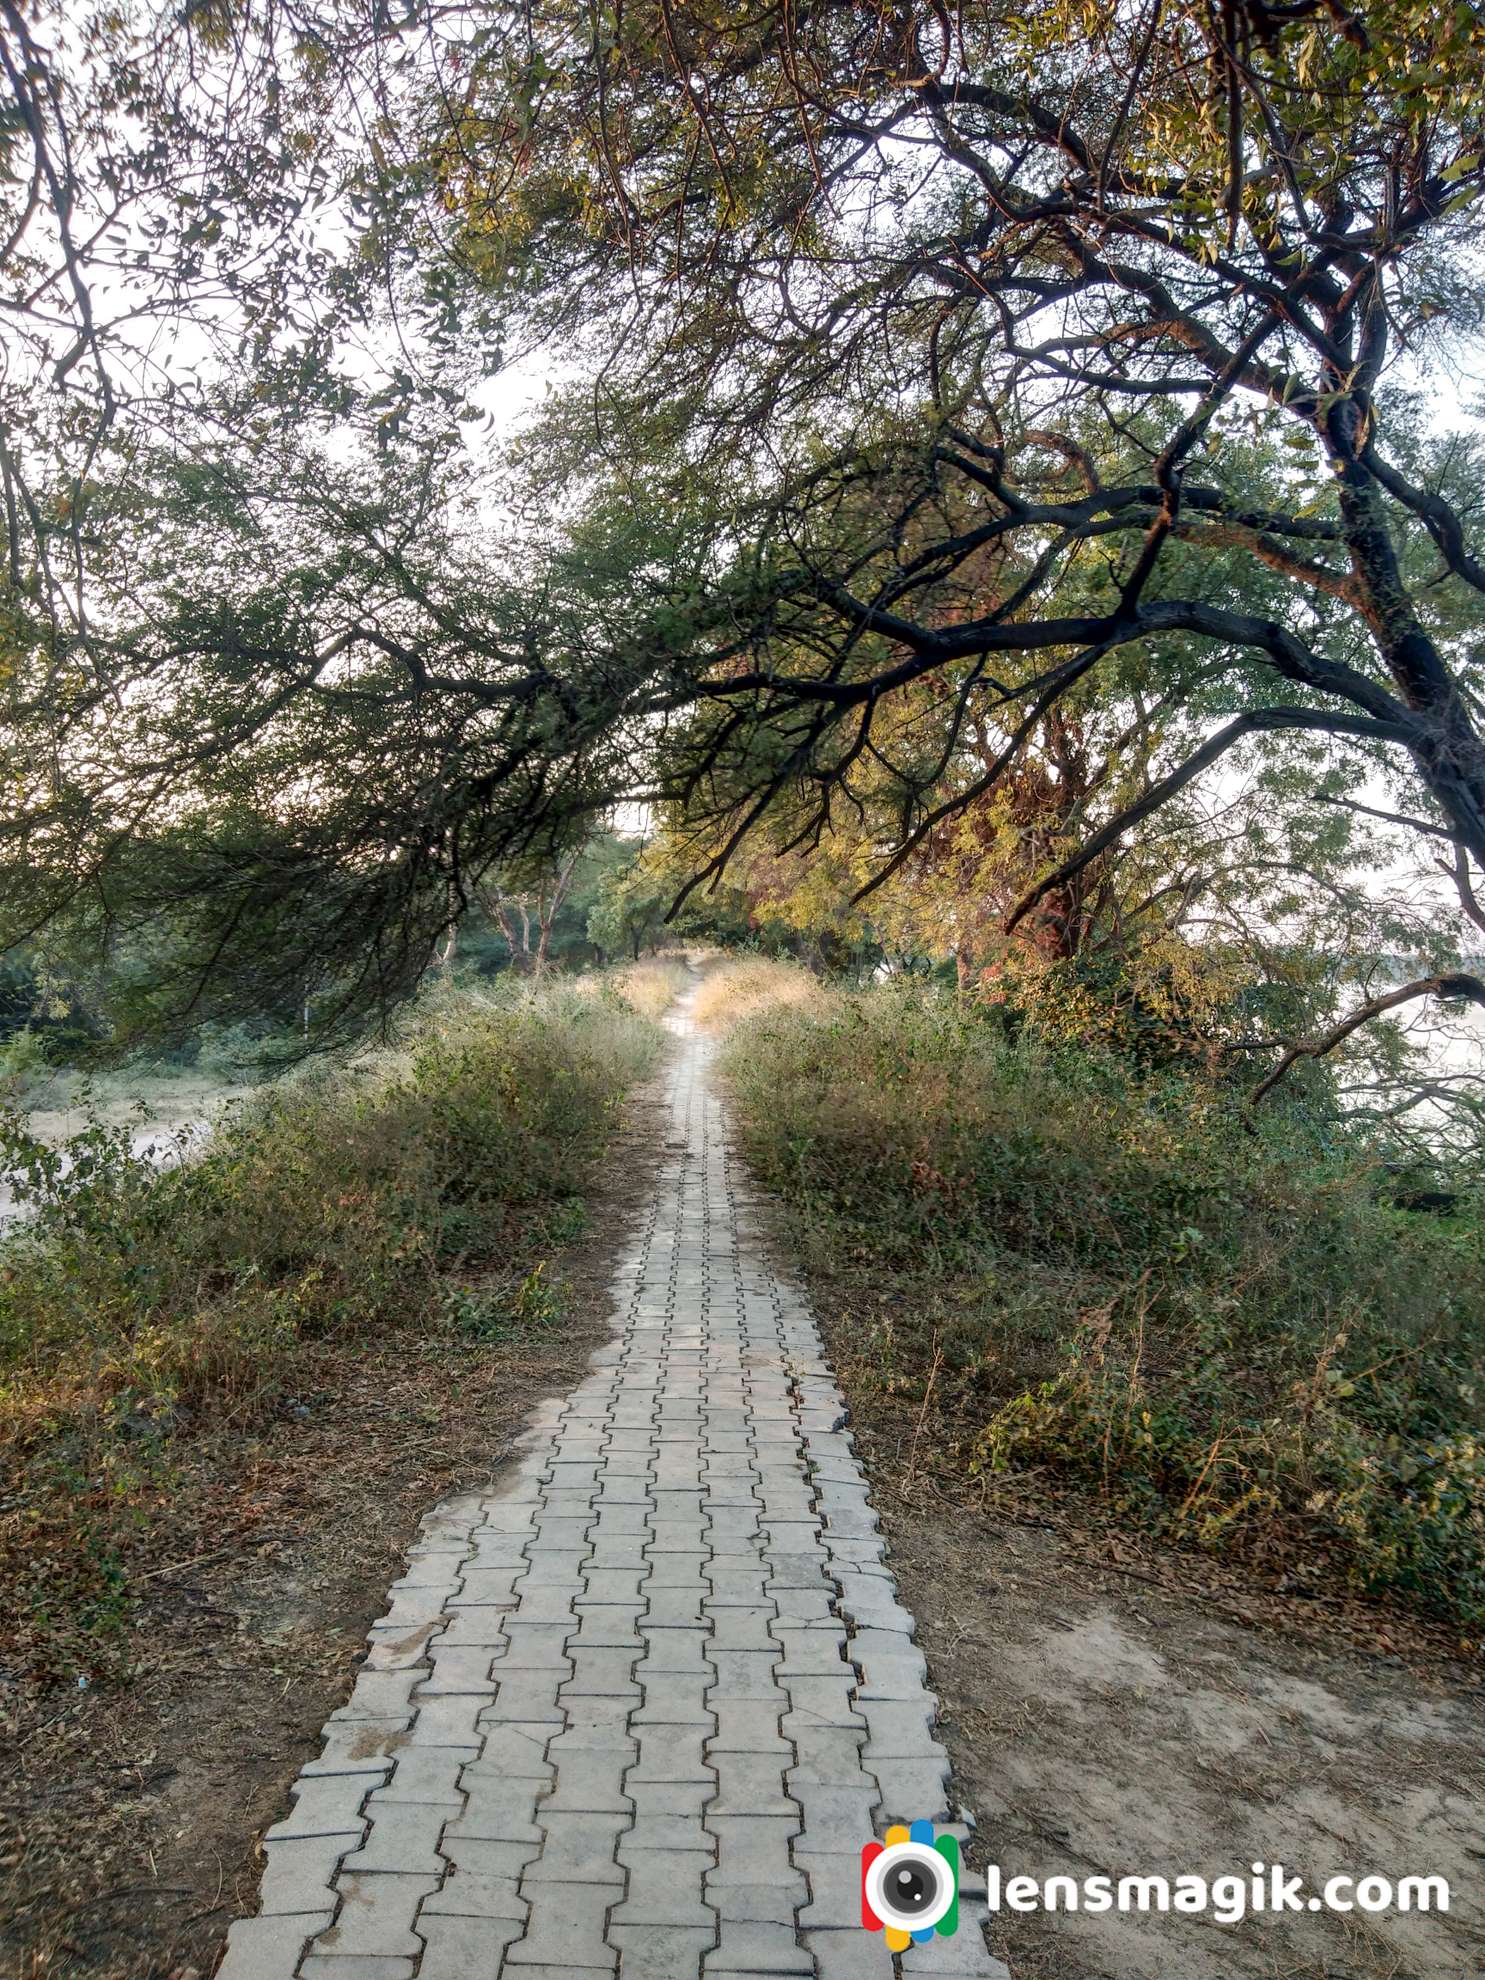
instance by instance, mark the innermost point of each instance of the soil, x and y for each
(1099, 1722)
(1119, 1707)
(130, 1815)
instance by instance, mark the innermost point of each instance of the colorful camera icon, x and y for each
(910, 1885)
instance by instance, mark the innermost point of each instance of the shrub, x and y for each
(138, 1301)
(1230, 1336)
(26, 1072)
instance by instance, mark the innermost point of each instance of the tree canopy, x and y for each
(991, 450)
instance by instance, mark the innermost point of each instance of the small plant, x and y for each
(481, 1314)
(26, 1073)
(565, 1222)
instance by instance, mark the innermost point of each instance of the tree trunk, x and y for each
(548, 910)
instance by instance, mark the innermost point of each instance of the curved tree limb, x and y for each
(1470, 987)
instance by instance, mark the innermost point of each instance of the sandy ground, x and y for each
(1098, 1723)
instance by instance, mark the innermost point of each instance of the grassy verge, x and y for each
(140, 1306)
(1052, 1263)
(650, 986)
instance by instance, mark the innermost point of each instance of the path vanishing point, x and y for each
(635, 1709)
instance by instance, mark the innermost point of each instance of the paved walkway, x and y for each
(637, 1709)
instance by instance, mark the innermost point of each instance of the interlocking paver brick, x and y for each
(591, 1781)
(379, 1695)
(659, 1952)
(498, 1812)
(417, 1605)
(850, 1954)
(677, 1701)
(496, 1587)
(298, 1873)
(635, 1709)
(365, 1748)
(578, 1849)
(837, 1820)
(758, 1949)
(664, 1890)
(671, 1833)
(375, 1916)
(494, 1859)
(457, 1670)
(457, 1948)
(270, 1946)
(672, 1754)
(912, 1789)
(535, 1646)
(403, 1838)
(325, 1805)
(567, 1929)
(674, 1653)
(828, 1756)
(752, 1849)
(357, 1966)
(760, 1904)
(479, 1627)
(752, 1784)
(397, 1649)
(521, 1697)
(820, 1701)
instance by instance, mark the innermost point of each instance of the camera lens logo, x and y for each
(910, 1886)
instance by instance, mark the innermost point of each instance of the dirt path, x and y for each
(1101, 1723)
(637, 1710)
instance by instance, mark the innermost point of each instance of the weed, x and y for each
(484, 1313)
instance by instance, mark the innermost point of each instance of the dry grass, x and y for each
(1073, 1267)
(649, 987)
(751, 984)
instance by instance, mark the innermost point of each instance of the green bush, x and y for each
(26, 1072)
(138, 1300)
(1233, 1336)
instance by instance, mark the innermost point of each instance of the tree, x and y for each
(628, 914)
(522, 896)
(983, 427)
(1061, 290)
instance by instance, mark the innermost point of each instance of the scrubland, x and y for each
(1219, 1325)
(415, 1191)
